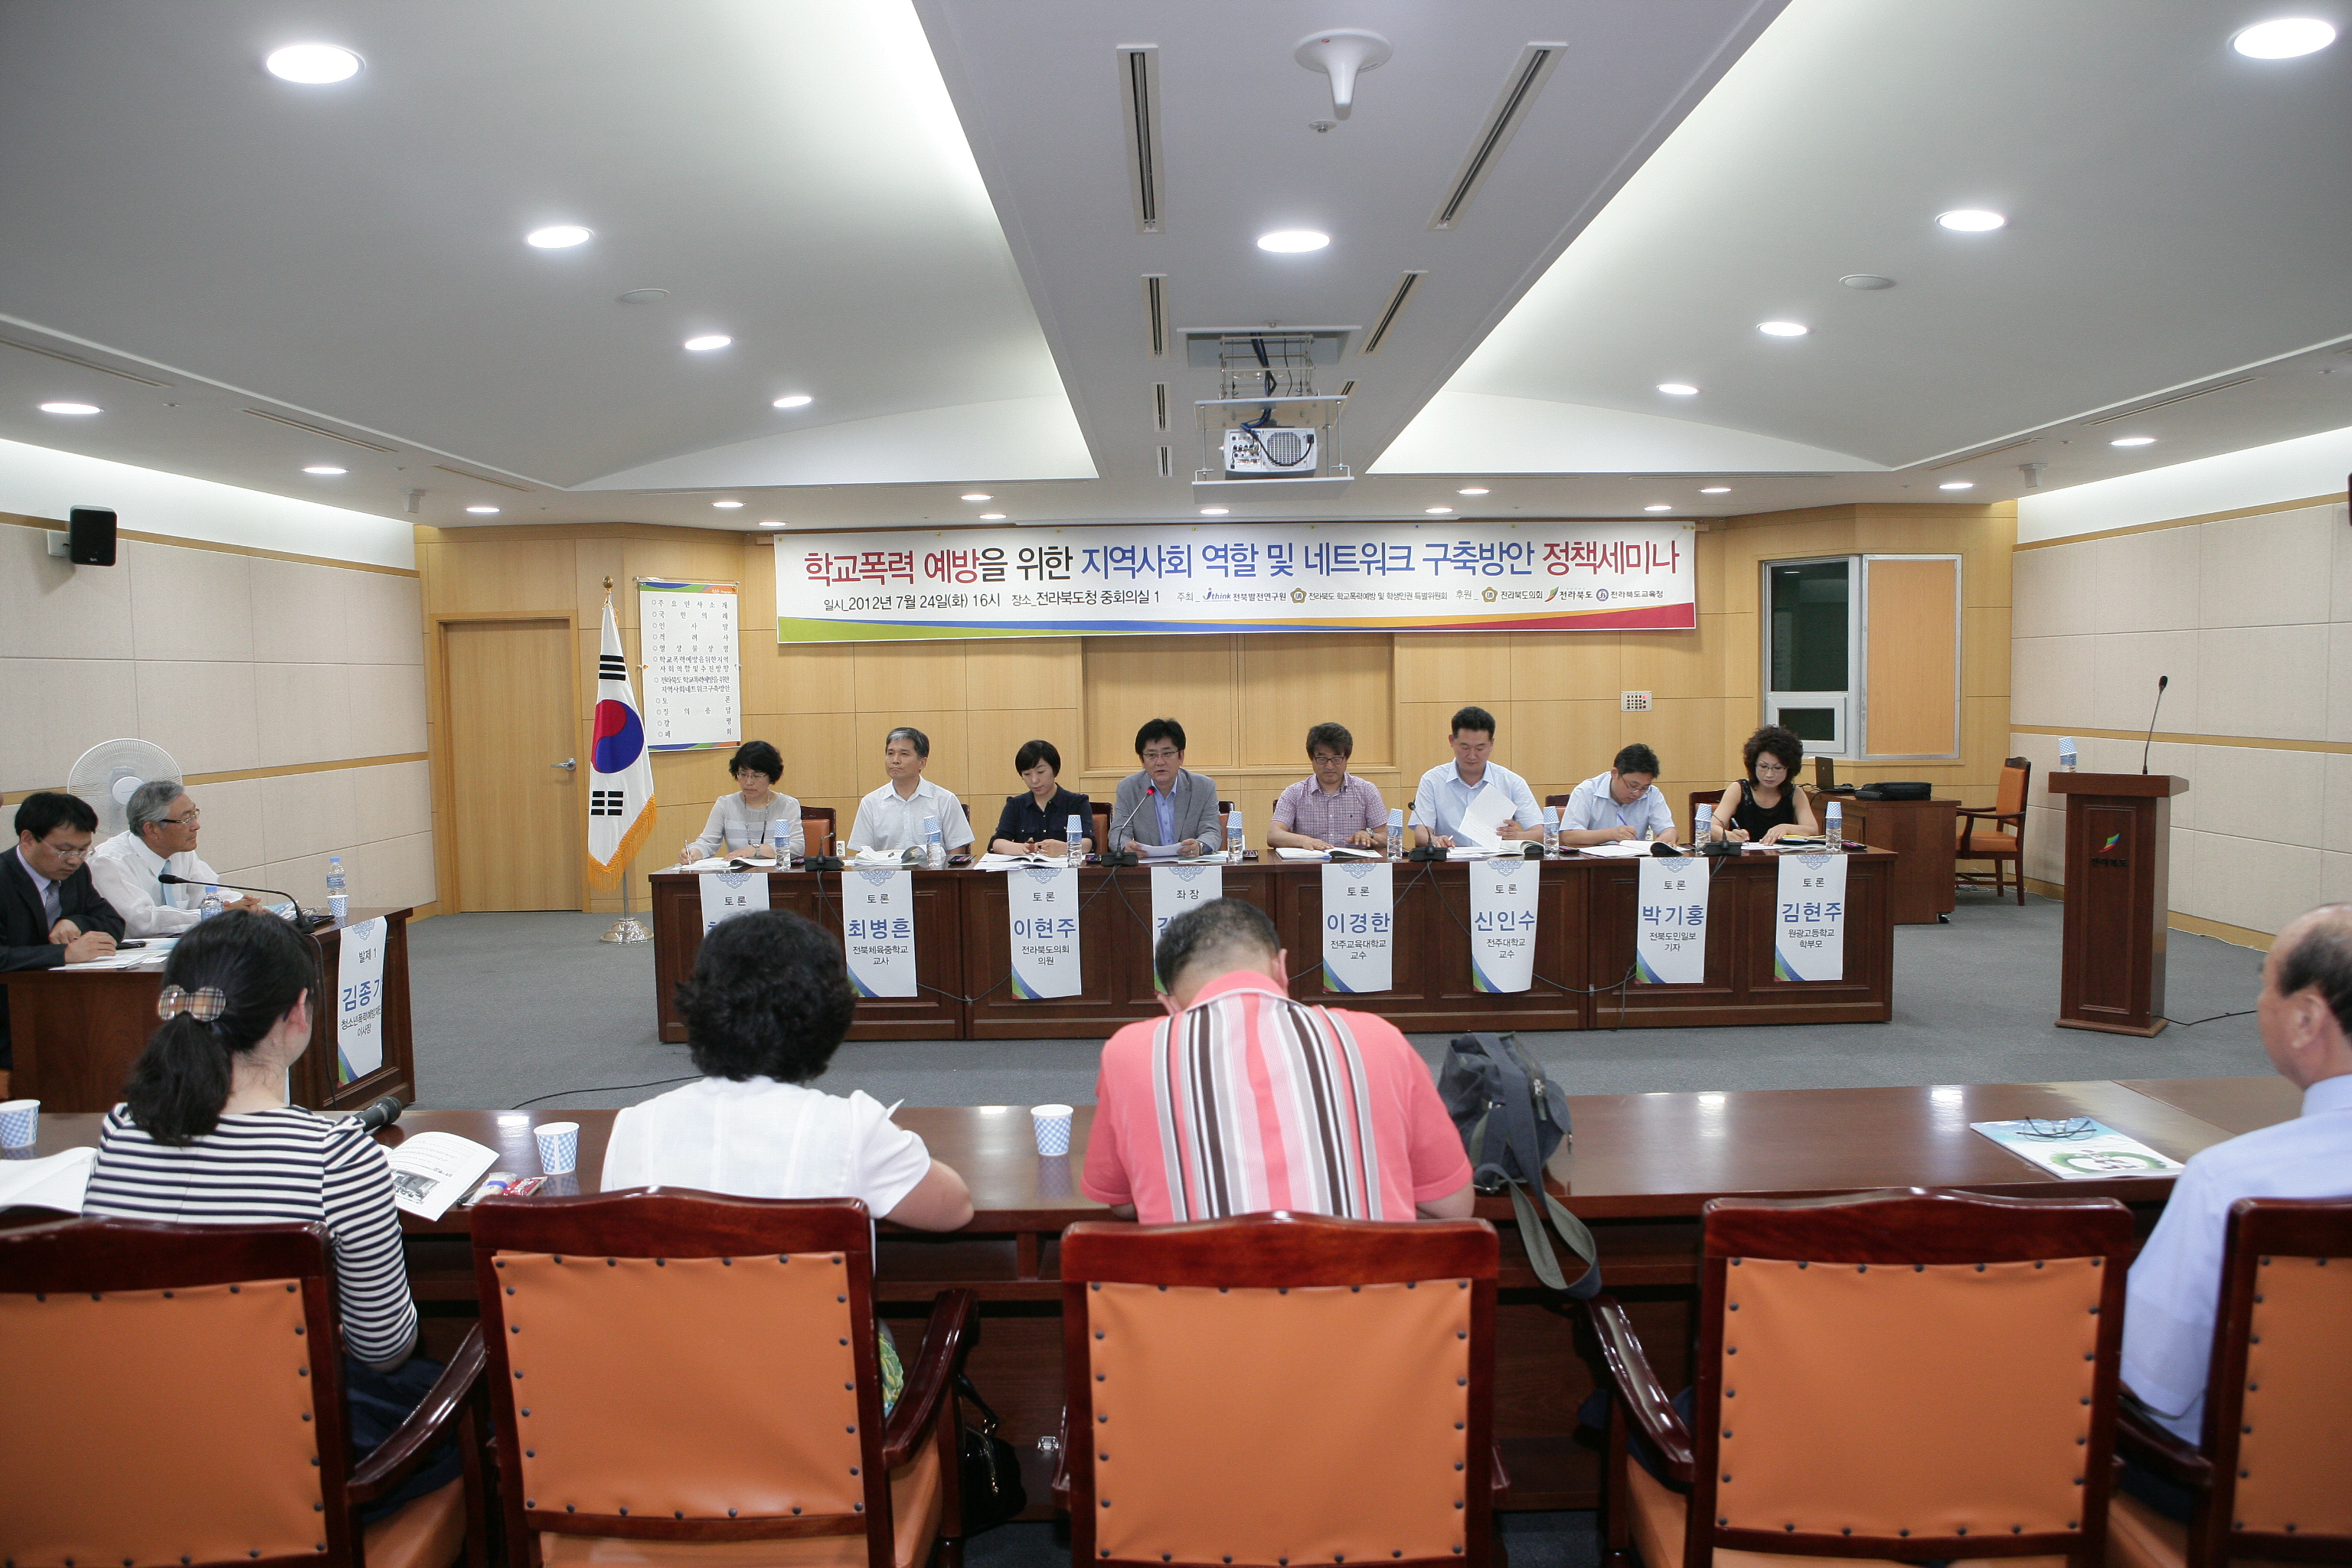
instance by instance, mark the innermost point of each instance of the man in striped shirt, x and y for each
(1245, 1101)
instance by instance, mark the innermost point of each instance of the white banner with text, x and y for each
(1670, 922)
(1044, 903)
(1808, 937)
(1359, 899)
(1503, 923)
(359, 992)
(726, 894)
(878, 929)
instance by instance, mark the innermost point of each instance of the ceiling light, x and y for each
(771, 522)
(992, 516)
(727, 505)
(481, 510)
(1661, 505)
(71, 408)
(2283, 39)
(1714, 489)
(314, 65)
(1678, 389)
(1957, 485)
(1436, 511)
(1471, 491)
(1971, 220)
(2132, 441)
(1289, 241)
(794, 399)
(709, 340)
(1214, 511)
(642, 296)
(977, 495)
(1782, 329)
(1866, 281)
(326, 468)
(558, 236)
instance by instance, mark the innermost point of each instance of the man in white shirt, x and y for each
(2304, 1014)
(1448, 790)
(896, 816)
(161, 836)
(1624, 802)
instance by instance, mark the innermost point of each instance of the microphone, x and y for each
(2161, 682)
(1125, 853)
(381, 1113)
(302, 920)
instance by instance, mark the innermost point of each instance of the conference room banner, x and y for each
(1221, 576)
(1358, 923)
(358, 1000)
(1808, 937)
(1044, 901)
(1503, 924)
(878, 929)
(1670, 922)
(726, 894)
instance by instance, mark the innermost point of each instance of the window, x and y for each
(1809, 642)
(1862, 653)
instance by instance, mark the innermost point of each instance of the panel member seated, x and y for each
(754, 822)
(1371, 1140)
(1037, 820)
(161, 836)
(1332, 808)
(1448, 789)
(1624, 802)
(1768, 805)
(50, 911)
(1165, 803)
(894, 817)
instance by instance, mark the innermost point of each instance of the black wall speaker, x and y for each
(91, 536)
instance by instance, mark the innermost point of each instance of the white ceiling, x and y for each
(918, 213)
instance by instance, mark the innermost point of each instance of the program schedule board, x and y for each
(692, 665)
(1568, 576)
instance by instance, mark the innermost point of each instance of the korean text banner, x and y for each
(1248, 577)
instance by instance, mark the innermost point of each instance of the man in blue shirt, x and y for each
(1624, 802)
(1448, 789)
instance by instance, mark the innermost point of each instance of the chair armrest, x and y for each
(1501, 1481)
(1645, 1398)
(1061, 1485)
(931, 1376)
(1986, 813)
(398, 1455)
(2140, 1439)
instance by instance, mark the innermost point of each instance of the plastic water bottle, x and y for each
(935, 852)
(1703, 823)
(1396, 835)
(1552, 829)
(2066, 753)
(339, 898)
(1236, 835)
(1833, 824)
(212, 904)
(1072, 831)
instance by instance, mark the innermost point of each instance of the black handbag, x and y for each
(992, 1492)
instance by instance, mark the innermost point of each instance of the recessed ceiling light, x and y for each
(1866, 281)
(1957, 485)
(977, 495)
(313, 65)
(992, 516)
(642, 296)
(2283, 39)
(558, 236)
(794, 399)
(481, 510)
(1714, 489)
(727, 505)
(1287, 241)
(1436, 511)
(772, 522)
(328, 469)
(1971, 220)
(709, 340)
(1678, 389)
(1215, 510)
(1660, 506)
(2132, 441)
(71, 408)
(1782, 329)
(1472, 490)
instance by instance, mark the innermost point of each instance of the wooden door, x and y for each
(513, 723)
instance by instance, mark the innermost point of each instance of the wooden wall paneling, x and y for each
(1028, 673)
(1555, 745)
(1550, 667)
(1290, 683)
(910, 675)
(1191, 679)
(1452, 669)
(1911, 632)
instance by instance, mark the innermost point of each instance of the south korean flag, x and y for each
(620, 769)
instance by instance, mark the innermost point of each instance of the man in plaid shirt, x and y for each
(1332, 808)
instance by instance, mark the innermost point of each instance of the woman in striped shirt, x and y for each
(205, 1137)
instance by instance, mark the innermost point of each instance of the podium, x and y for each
(2118, 853)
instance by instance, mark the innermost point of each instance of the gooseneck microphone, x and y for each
(381, 1113)
(2161, 682)
(302, 920)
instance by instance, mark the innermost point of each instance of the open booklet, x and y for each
(1337, 852)
(993, 861)
(2078, 1149)
(430, 1171)
(53, 1182)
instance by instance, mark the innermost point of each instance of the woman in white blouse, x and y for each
(755, 822)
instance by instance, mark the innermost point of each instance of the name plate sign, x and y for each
(878, 922)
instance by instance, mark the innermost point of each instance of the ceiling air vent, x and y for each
(1159, 406)
(1155, 313)
(317, 430)
(1972, 456)
(84, 363)
(484, 479)
(1139, 87)
(2138, 409)
(1527, 78)
(1406, 283)
(1166, 462)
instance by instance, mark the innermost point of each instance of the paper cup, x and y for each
(559, 1146)
(1053, 1122)
(20, 1124)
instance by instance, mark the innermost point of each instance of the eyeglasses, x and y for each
(1168, 756)
(190, 820)
(64, 854)
(2068, 1127)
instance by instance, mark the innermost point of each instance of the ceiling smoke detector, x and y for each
(1342, 54)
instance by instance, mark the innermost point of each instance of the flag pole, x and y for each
(626, 929)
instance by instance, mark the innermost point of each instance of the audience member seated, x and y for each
(1330, 809)
(898, 815)
(1624, 802)
(204, 1137)
(754, 822)
(50, 910)
(1768, 805)
(2304, 1014)
(1164, 805)
(161, 836)
(1037, 820)
(1317, 1110)
(1448, 789)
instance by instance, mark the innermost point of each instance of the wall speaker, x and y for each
(91, 536)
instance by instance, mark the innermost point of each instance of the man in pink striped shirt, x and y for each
(1245, 1101)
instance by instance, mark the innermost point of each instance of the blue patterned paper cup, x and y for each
(559, 1147)
(1053, 1122)
(20, 1124)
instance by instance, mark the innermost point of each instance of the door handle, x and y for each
(567, 764)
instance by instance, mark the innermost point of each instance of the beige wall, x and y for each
(290, 692)
(2251, 617)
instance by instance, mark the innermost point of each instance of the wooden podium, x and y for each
(2118, 851)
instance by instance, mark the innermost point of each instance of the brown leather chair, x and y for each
(175, 1396)
(1556, 800)
(1699, 797)
(1102, 825)
(816, 829)
(2003, 843)
(683, 1376)
(2273, 1475)
(1279, 1389)
(1906, 1374)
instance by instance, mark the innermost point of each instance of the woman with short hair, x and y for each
(753, 821)
(1769, 804)
(1037, 820)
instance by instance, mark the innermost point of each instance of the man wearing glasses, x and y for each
(1164, 805)
(50, 913)
(161, 836)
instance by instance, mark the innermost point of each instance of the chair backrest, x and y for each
(1558, 800)
(1102, 824)
(2278, 1398)
(2016, 773)
(1279, 1388)
(816, 829)
(175, 1395)
(675, 1365)
(1699, 797)
(1905, 1373)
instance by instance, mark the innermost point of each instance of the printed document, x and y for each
(430, 1171)
(2078, 1149)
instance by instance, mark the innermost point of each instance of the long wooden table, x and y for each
(77, 1033)
(1639, 1169)
(1583, 959)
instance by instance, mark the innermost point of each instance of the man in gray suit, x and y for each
(1165, 805)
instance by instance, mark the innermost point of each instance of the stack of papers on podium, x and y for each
(56, 1182)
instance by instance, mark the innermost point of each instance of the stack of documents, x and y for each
(1617, 849)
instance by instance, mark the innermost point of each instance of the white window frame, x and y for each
(1846, 705)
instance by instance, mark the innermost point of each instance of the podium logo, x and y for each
(2110, 844)
(2102, 855)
